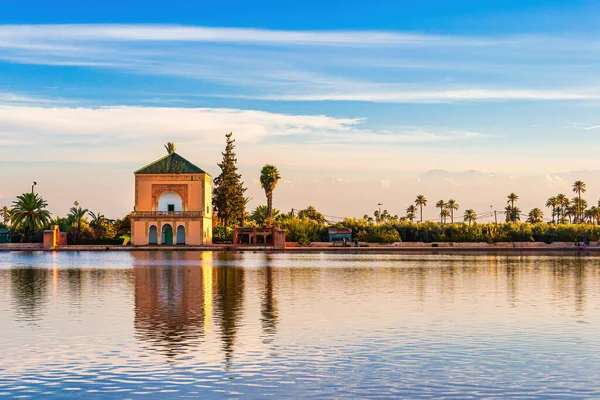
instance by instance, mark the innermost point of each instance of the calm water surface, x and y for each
(253, 325)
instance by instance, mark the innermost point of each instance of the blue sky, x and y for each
(358, 92)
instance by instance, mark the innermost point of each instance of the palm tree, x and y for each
(269, 176)
(441, 204)
(411, 212)
(29, 213)
(511, 199)
(452, 206)
(311, 214)
(170, 147)
(590, 214)
(597, 214)
(579, 187)
(470, 216)
(261, 213)
(563, 205)
(76, 214)
(445, 214)
(513, 214)
(553, 203)
(535, 216)
(97, 218)
(5, 215)
(421, 201)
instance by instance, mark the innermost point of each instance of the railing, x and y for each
(167, 214)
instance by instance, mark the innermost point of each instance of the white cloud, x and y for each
(25, 34)
(441, 96)
(123, 132)
(368, 66)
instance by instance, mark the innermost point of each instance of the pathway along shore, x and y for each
(517, 248)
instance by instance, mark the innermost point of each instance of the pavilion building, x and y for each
(173, 204)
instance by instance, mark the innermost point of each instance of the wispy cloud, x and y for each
(175, 33)
(58, 133)
(366, 66)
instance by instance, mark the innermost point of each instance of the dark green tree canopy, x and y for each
(228, 194)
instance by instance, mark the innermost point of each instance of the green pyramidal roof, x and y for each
(170, 164)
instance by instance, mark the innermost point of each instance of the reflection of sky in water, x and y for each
(254, 324)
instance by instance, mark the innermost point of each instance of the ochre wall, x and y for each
(139, 234)
(195, 191)
(199, 192)
(193, 230)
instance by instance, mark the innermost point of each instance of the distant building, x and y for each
(339, 234)
(173, 204)
(5, 236)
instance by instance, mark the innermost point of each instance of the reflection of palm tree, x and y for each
(29, 290)
(269, 305)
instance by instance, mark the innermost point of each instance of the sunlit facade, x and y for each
(173, 204)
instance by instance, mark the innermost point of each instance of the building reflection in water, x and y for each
(180, 295)
(170, 300)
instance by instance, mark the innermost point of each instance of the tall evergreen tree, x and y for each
(228, 194)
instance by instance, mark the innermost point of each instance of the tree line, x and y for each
(29, 216)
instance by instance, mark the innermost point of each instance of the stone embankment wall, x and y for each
(527, 245)
(21, 246)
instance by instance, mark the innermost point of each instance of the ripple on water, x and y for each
(190, 325)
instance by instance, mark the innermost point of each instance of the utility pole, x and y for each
(379, 217)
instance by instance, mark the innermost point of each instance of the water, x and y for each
(256, 325)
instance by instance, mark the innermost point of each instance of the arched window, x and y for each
(170, 201)
(181, 234)
(153, 235)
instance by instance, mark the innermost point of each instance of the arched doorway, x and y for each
(167, 235)
(181, 234)
(153, 235)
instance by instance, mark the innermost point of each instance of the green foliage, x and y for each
(228, 194)
(221, 234)
(5, 216)
(123, 226)
(304, 231)
(170, 147)
(427, 232)
(260, 215)
(312, 214)
(29, 214)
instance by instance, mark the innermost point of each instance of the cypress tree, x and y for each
(228, 194)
